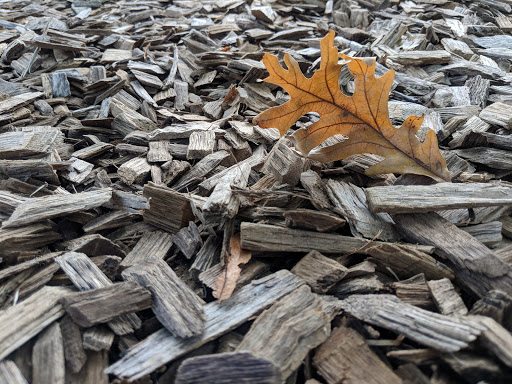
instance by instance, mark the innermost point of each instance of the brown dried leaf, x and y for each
(363, 117)
(226, 282)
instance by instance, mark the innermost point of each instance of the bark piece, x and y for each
(110, 220)
(151, 244)
(208, 255)
(92, 245)
(159, 152)
(256, 158)
(111, 55)
(15, 242)
(25, 169)
(312, 182)
(28, 318)
(182, 131)
(73, 347)
(446, 298)
(470, 68)
(18, 268)
(168, 209)
(18, 101)
(342, 358)
(147, 79)
(127, 120)
(175, 305)
(284, 164)
(188, 240)
(98, 338)
(92, 151)
(134, 171)
(181, 89)
(478, 89)
(200, 144)
(497, 114)
(92, 371)
(102, 305)
(234, 367)
(48, 357)
(487, 233)
(414, 291)
(288, 330)
(491, 157)
(497, 305)
(313, 220)
(475, 265)
(406, 262)
(10, 373)
(47, 207)
(427, 198)
(495, 338)
(352, 204)
(279, 239)
(446, 334)
(85, 275)
(458, 47)
(78, 171)
(421, 57)
(30, 142)
(60, 85)
(201, 169)
(319, 272)
(162, 347)
(222, 203)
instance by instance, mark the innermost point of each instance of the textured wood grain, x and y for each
(102, 305)
(73, 346)
(162, 347)
(406, 262)
(10, 373)
(48, 364)
(47, 207)
(175, 305)
(233, 367)
(446, 298)
(495, 338)
(85, 275)
(151, 244)
(288, 330)
(475, 265)
(444, 333)
(222, 203)
(98, 338)
(199, 170)
(28, 318)
(319, 271)
(254, 160)
(279, 239)
(346, 358)
(427, 198)
(92, 371)
(353, 205)
(160, 214)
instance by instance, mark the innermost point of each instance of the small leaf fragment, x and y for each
(226, 282)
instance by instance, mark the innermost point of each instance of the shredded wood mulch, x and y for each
(135, 190)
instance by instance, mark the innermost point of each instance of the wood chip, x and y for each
(175, 305)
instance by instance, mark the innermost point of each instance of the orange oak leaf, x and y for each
(226, 282)
(362, 117)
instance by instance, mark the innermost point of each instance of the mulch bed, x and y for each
(135, 191)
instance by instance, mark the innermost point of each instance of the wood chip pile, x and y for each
(151, 233)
